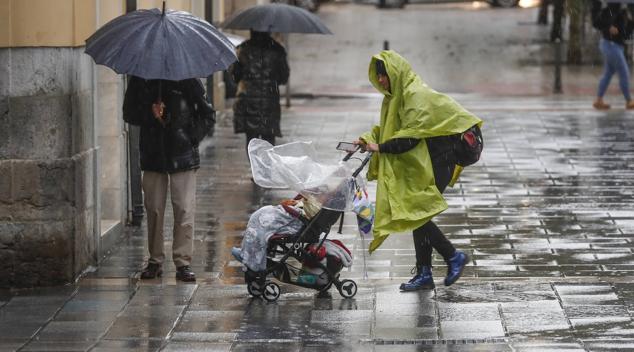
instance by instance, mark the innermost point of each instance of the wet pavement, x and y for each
(546, 216)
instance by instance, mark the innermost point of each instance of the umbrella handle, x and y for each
(159, 101)
(163, 14)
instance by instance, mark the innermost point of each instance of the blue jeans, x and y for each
(614, 62)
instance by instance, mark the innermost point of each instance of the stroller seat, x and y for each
(312, 229)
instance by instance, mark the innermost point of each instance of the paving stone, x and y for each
(455, 347)
(601, 346)
(6, 345)
(468, 311)
(66, 346)
(471, 329)
(210, 321)
(132, 345)
(549, 346)
(73, 330)
(269, 347)
(195, 347)
(17, 330)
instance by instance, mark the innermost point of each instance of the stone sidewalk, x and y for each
(546, 216)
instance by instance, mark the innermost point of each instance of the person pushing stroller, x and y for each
(413, 112)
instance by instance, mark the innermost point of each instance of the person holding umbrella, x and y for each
(171, 127)
(616, 26)
(262, 65)
(411, 167)
(167, 100)
(259, 71)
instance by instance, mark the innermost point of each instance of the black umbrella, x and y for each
(155, 44)
(276, 17)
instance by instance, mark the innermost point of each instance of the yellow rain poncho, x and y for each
(407, 196)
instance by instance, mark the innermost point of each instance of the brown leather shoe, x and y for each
(151, 271)
(600, 105)
(184, 273)
(629, 105)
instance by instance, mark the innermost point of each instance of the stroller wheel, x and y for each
(254, 289)
(347, 288)
(271, 292)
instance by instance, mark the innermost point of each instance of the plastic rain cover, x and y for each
(294, 165)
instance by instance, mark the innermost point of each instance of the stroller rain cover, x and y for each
(294, 165)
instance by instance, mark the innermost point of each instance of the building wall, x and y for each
(47, 156)
(111, 134)
(47, 143)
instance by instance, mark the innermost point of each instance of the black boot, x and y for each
(421, 281)
(185, 273)
(151, 271)
(455, 265)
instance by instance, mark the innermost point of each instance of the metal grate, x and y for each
(499, 340)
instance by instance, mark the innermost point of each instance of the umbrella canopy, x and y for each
(235, 39)
(155, 44)
(277, 17)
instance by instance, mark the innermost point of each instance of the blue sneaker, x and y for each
(455, 266)
(237, 253)
(421, 281)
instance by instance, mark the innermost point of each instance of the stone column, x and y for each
(47, 143)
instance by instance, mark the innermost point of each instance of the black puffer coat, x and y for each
(260, 69)
(189, 117)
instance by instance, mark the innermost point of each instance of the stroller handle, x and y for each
(349, 155)
(363, 164)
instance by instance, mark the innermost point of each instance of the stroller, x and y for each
(301, 258)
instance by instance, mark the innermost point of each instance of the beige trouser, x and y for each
(183, 194)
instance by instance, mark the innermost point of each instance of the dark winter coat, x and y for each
(260, 69)
(612, 15)
(188, 118)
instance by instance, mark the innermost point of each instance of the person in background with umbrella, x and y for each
(260, 70)
(262, 65)
(616, 25)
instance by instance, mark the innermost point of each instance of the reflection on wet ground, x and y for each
(546, 216)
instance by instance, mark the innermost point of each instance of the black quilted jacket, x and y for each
(260, 69)
(189, 117)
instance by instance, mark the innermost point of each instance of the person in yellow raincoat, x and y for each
(412, 175)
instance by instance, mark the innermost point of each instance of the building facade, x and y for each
(69, 176)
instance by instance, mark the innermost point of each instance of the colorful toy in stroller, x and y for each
(301, 255)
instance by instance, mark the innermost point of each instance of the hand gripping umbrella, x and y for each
(155, 44)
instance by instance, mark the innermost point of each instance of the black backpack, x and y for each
(463, 149)
(468, 146)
